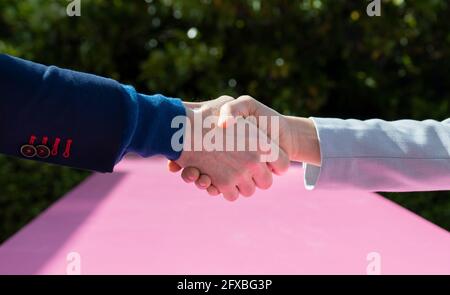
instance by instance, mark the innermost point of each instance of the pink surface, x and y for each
(142, 220)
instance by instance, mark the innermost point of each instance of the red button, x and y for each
(28, 151)
(43, 151)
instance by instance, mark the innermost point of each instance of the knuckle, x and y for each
(245, 98)
(231, 106)
(225, 98)
(248, 102)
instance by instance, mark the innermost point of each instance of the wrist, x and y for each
(304, 141)
(152, 117)
(192, 105)
(186, 153)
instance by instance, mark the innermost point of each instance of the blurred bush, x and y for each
(305, 57)
(27, 188)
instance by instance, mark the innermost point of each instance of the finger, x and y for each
(281, 164)
(224, 99)
(173, 167)
(232, 194)
(203, 182)
(213, 191)
(242, 106)
(246, 188)
(215, 105)
(190, 174)
(263, 178)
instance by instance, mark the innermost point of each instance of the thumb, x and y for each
(230, 111)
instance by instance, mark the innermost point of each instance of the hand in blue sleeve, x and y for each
(79, 120)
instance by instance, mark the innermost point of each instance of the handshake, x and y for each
(233, 146)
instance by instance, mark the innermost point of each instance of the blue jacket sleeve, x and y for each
(79, 120)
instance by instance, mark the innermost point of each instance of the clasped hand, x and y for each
(234, 172)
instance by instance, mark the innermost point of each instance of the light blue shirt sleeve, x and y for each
(377, 155)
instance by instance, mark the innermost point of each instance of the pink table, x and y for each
(143, 220)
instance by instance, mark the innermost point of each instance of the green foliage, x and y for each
(305, 57)
(27, 188)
